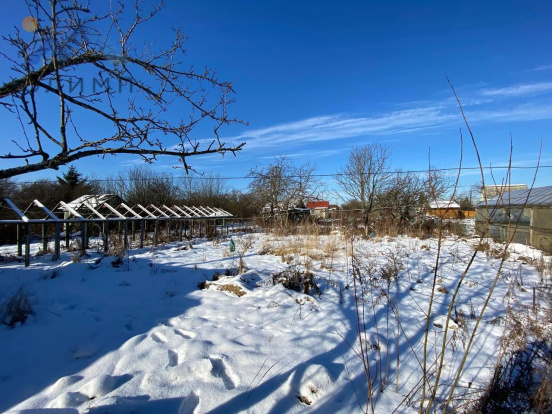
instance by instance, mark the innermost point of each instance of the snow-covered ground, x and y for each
(143, 338)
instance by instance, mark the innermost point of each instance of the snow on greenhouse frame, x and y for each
(98, 215)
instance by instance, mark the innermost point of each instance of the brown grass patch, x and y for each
(236, 290)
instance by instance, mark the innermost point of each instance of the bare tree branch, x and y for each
(133, 92)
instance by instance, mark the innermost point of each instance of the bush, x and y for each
(17, 308)
(518, 384)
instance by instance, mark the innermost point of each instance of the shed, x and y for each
(521, 216)
(444, 209)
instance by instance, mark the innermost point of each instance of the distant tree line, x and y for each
(138, 185)
(365, 182)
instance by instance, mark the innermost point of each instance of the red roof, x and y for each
(318, 204)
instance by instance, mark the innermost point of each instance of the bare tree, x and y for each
(408, 192)
(282, 185)
(8, 188)
(142, 185)
(210, 189)
(404, 193)
(365, 174)
(62, 46)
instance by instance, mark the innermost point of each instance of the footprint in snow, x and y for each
(85, 351)
(64, 382)
(222, 370)
(190, 404)
(69, 400)
(132, 342)
(185, 334)
(103, 385)
(166, 322)
(159, 338)
(174, 358)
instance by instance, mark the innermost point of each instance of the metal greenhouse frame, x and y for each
(96, 209)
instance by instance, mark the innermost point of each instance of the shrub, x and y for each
(17, 308)
(516, 386)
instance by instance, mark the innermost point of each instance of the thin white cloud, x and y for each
(519, 90)
(309, 154)
(420, 120)
(519, 113)
(543, 67)
(424, 117)
(335, 127)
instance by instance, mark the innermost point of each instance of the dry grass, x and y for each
(295, 279)
(234, 289)
(42, 252)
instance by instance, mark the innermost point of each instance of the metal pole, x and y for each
(142, 223)
(44, 238)
(125, 227)
(106, 236)
(83, 236)
(19, 240)
(27, 245)
(67, 236)
(57, 241)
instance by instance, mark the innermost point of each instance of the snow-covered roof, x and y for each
(443, 204)
(541, 196)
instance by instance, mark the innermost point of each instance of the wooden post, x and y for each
(133, 230)
(156, 226)
(180, 230)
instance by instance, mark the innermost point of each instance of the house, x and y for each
(444, 209)
(319, 209)
(522, 216)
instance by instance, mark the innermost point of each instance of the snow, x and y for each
(143, 338)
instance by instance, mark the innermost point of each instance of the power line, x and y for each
(253, 176)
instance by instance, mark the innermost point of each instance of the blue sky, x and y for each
(314, 79)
